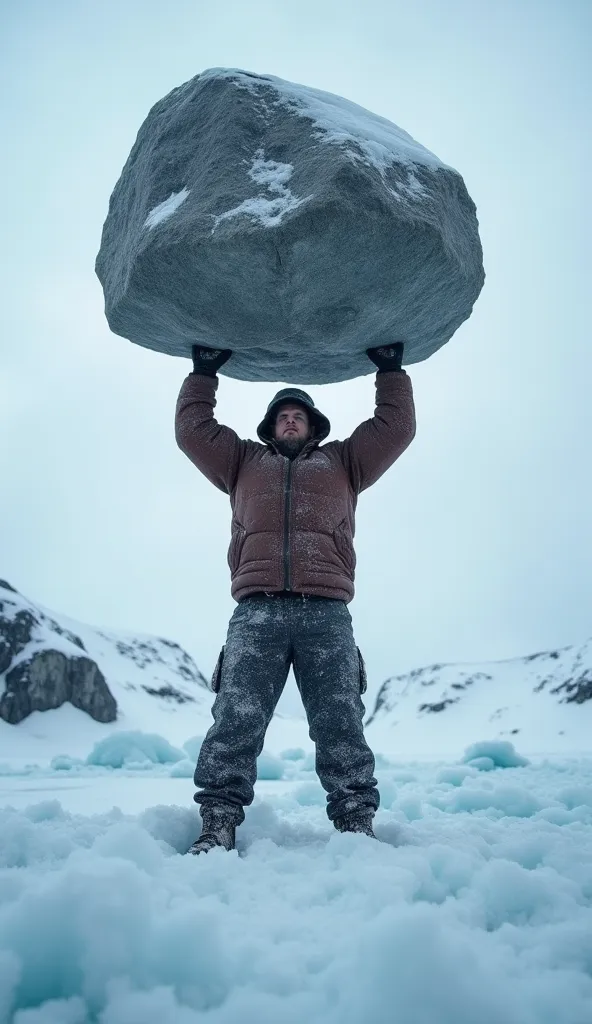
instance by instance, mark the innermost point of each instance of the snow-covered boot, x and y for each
(357, 821)
(218, 829)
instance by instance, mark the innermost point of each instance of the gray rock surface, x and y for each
(35, 676)
(47, 679)
(289, 225)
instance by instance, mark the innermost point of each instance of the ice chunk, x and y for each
(455, 775)
(501, 752)
(482, 764)
(184, 769)
(127, 748)
(269, 766)
(65, 763)
(293, 754)
(192, 747)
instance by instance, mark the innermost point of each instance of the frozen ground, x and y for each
(476, 907)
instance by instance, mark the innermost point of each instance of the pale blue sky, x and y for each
(476, 544)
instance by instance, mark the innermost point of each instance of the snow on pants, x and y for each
(266, 635)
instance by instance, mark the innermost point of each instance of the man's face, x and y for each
(292, 424)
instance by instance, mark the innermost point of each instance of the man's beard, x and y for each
(291, 446)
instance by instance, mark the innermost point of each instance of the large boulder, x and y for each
(287, 224)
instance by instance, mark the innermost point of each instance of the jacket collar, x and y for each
(304, 453)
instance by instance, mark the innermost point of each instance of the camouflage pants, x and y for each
(266, 635)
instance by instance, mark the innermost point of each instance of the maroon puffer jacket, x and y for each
(293, 520)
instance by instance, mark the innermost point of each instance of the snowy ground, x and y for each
(476, 907)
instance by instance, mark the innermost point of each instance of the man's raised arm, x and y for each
(216, 450)
(378, 442)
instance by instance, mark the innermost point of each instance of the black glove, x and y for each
(387, 357)
(208, 361)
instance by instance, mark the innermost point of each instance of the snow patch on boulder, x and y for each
(166, 209)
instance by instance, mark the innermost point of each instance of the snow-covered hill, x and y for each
(156, 684)
(543, 702)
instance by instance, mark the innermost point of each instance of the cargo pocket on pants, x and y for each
(363, 673)
(217, 673)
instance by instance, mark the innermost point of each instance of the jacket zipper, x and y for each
(287, 503)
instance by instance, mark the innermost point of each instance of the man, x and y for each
(292, 565)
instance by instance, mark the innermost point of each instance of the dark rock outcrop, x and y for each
(576, 691)
(289, 225)
(438, 706)
(47, 679)
(38, 677)
(15, 633)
